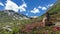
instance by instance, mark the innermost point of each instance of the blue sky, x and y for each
(31, 8)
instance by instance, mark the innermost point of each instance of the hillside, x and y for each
(55, 11)
(14, 23)
(9, 15)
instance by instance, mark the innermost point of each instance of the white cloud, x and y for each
(10, 5)
(49, 5)
(35, 10)
(39, 7)
(26, 13)
(1, 4)
(22, 7)
(34, 16)
(44, 8)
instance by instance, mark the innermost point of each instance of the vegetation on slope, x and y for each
(10, 26)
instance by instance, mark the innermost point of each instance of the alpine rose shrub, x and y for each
(56, 28)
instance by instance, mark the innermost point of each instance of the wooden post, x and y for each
(47, 19)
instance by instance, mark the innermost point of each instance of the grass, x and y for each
(18, 25)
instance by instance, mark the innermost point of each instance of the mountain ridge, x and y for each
(6, 15)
